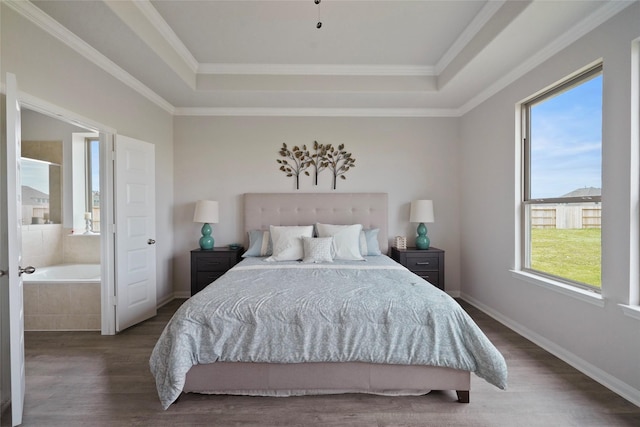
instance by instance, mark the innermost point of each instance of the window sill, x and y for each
(577, 293)
(631, 310)
(83, 234)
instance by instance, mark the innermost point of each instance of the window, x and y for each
(562, 181)
(92, 176)
(85, 166)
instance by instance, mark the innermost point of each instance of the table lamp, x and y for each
(206, 212)
(422, 211)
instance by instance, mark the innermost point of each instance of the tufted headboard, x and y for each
(369, 209)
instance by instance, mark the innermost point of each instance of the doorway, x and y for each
(60, 224)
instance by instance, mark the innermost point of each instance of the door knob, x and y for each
(151, 242)
(29, 270)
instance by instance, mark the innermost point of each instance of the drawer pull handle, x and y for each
(422, 263)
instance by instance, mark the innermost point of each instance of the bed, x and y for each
(281, 327)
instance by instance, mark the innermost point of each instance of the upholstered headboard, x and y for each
(369, 209)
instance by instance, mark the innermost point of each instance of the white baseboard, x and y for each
(176, 295)
(597, 374)
(166, 300)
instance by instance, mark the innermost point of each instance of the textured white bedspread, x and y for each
(364, 311)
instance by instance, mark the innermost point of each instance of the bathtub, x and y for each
(65, 273)
(63, 298)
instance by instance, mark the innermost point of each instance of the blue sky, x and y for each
(95, 166)
(35, 174)
(566, 140)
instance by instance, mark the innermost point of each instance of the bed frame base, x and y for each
(277, 379)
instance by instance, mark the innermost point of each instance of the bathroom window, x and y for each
(92, 166)
(86, 183)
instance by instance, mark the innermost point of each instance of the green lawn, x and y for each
(570, 253)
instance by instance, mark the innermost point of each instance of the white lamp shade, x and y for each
(421, 211)
(206, 211)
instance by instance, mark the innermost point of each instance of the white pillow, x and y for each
(287, 242)
(346, 240)
(317, 249)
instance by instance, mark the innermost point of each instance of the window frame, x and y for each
(526, 200)
(88, 162)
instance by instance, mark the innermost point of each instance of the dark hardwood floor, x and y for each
(84, 379)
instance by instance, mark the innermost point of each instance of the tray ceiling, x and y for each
(373, 58)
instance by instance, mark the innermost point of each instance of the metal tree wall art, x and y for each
(297, 161)
(318, 160)
(339, 162)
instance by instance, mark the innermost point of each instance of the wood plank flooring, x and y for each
(84, 379)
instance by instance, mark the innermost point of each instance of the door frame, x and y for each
(107, 240)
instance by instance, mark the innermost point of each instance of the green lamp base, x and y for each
(422, 241)
(206, 241)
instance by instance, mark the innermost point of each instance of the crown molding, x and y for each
(601, 15)
(154, 17)
(319, 112)
(478, 22)
(53, 27)
(317, 70)
(45, 22)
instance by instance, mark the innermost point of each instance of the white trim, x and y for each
(317, 69)
(44, 21)
(47, 108)
(107, 240)
(166, 300)
(478, 22)
(581, 294)
(634, 167)
(597, 18)
(319, 112)
(154, 17)
(48, 24)
(593, 372)
(630, 310)
(182, 294)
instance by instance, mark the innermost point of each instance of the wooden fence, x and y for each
(566, 216)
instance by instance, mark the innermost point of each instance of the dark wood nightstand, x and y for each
(426, 263)
(208, 265)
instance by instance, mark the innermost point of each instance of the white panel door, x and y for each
(14, 237)
(135, 231)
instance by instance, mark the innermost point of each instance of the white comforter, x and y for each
(288, 312)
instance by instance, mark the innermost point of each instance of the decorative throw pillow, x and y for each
(287, 242)
(259, 244)
(346, 240)
(317, 249)
(369, 245)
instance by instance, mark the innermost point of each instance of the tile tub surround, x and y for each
(80, 249)
(42, 244)
(62, 306)
(50, 244)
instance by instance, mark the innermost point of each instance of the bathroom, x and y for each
(60, 225)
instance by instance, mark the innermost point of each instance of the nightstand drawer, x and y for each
(426, 263)
(204, 278)
(218, 263)
(209, 265)
(431, 277)
(420, 262)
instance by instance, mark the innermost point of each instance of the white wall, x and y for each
(221, 158)
(50, 71)
(602, 341)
